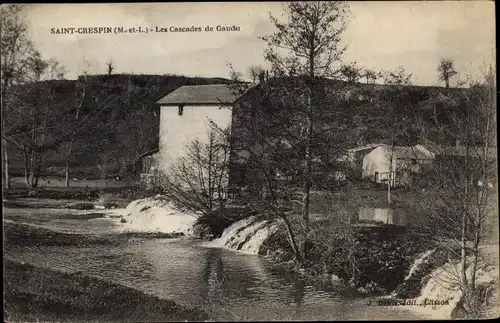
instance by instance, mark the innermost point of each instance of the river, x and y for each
(236, 286)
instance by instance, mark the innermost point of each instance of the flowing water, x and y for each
(237, 286)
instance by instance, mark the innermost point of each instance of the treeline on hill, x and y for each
(118, 120)
(116, 123)
(383, 113)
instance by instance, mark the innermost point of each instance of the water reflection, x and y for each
(213, 276)
(298, 291)
(383, 215)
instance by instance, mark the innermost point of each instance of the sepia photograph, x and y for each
(249, 161)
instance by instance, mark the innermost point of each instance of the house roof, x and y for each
(405, 152)
(361, 148)
(149, 153)
(201, 94)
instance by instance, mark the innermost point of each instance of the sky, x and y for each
(381, 35)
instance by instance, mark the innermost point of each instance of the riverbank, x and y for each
(36, 294)
(371, 260)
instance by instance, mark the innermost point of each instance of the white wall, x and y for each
(378, 160)
(177, 131)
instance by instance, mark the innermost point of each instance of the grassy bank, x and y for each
(17, 234)
(90, 193)
(36, 294)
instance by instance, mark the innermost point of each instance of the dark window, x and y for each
(181, 109)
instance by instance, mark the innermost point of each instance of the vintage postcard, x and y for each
(249, 161)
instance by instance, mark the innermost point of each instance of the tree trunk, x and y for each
(463, 256)
(391, 170)
(463, 247)
(475, 253)
(31, 182)
(26, 168)
(73, 133)
(66, 173)
(39, 163)
(68, 159)
(291, 238)
(307, 178)
(6, 164)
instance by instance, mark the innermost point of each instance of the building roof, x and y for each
(201, 94)
(149, 153)
(361, 148)
(405, 152)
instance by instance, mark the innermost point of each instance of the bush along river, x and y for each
(224, 279)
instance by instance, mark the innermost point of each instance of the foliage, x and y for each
(351, 73)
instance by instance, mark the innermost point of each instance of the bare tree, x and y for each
(446, 70)
(73, 128)
(461, 202)
(29, 117)
(16, 48)
(110, 66)
(91, 93)
(311, 38)
(198, 181)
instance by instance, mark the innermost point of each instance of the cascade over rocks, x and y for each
(247, 235)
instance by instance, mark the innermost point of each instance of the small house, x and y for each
(404, 160)
(354, 157)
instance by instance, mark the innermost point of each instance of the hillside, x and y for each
(119, 120)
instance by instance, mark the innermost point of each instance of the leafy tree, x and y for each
(310, 39)
(446, 70)
(351, 73)
(371, 76)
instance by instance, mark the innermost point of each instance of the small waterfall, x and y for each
(421, 268)
(156, 215)
(246, 235)
(417, 265)
(433, 284)
(441, 287)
